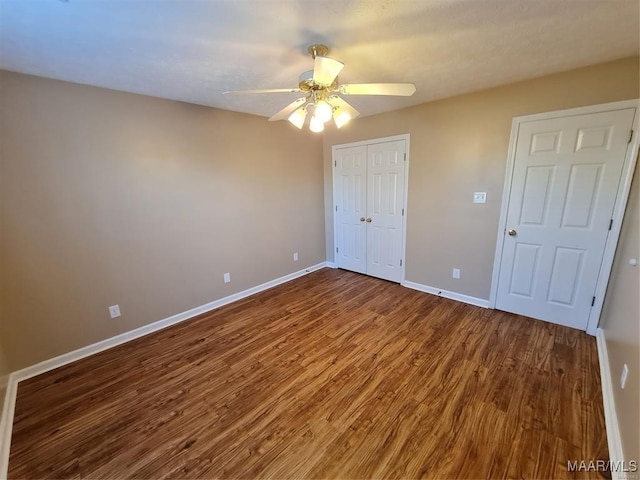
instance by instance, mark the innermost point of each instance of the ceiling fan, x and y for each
(322, 92)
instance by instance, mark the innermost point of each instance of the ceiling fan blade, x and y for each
(270, 90)
(400, 89)
(288, 110)
(325, 70)
(337, 101)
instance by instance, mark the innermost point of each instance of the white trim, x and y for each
(6, 422)
(403, 247)
(331, 264)
(616, 455)
(570, 112)
(460, 297)
(363, 143)
(618, 214)
(394, 138)
(624, 188)
(506, 193)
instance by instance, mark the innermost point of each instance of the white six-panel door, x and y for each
(350, 178)
(565, 181)
(369, 182)
(385, 200)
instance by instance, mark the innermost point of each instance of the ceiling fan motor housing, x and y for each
(307, 84)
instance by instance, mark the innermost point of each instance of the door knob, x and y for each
(512, 233)
(369, 220)
(362, 219)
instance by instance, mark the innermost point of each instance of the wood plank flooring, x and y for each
(334, 375)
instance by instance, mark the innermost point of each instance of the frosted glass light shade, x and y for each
(323, 111)
(298, 116)
(316, 125)
(340, 117)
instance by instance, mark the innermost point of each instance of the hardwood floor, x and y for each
(333, 375)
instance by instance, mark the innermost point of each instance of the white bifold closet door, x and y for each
(369, 194)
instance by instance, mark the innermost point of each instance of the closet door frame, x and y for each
(373, 141)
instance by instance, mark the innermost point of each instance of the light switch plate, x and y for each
(479, 197)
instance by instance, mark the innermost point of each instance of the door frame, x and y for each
(622, 196)
(360, 143)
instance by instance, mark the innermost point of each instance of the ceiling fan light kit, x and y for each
(316, 125)
(298, 117)
(340, 117)
(323, 111)
(322, 93)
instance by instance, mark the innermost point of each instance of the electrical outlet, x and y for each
(623, 376)
(227, 277)
(114, 311)
(295, 257)
(456, 273)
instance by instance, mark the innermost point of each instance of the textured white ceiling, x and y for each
(193, 50)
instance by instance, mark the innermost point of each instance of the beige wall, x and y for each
(4, 373)
(621, 324)
(458, 146)
(112, 198)
(4, 367)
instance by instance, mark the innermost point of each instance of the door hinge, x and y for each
(336, 208)
(335, 163)
(403, 212)
(593, 301)
(336, 249)
(611, 224)
(400, 262)
(405, 157)
(630, 136)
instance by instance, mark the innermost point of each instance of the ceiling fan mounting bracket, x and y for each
(318, 49)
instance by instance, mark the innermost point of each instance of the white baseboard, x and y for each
(6, 424)
(479, 302)
(8, 409)
(331, 265)
(610, 416)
